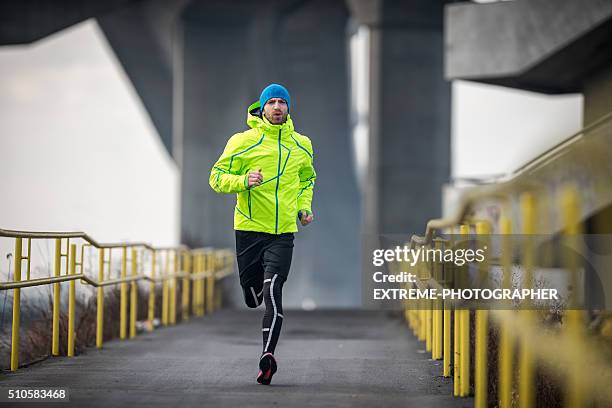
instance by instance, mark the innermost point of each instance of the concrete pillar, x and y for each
(409, 140)
(409, 114)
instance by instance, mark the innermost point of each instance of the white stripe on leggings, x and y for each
(275, 312)
(254, 295)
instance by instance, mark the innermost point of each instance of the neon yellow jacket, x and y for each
(285, 158)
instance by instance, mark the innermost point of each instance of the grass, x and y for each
(37, 318)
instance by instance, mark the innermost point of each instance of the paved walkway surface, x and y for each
(325, 358)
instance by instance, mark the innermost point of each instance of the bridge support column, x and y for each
(409, 120)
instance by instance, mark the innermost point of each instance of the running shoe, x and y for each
(267, 368)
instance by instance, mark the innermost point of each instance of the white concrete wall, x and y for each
(495, 129)
(78, 151)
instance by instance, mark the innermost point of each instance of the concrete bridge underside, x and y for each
(196, 66)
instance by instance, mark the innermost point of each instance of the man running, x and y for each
(270, 168)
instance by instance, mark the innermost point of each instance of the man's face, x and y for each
(276, 110)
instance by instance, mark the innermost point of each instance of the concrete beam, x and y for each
(26, 21)
(547, 46)
(143, 38)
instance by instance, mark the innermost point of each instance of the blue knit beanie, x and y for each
(274, 91)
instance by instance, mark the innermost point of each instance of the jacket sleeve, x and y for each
(307, 180)
(225, 176)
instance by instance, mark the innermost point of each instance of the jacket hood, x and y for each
(256, 120)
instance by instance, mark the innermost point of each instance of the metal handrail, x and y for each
(110, 282)
(75, 234)
(570, 349)
(197, 269)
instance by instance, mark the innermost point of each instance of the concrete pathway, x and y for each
(326, 359)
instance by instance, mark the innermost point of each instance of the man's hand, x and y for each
(305, 217)
(255, 178)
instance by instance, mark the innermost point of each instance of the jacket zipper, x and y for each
(277, 180)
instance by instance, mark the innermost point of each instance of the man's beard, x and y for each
(283, 120)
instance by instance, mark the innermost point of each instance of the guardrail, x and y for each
(196, 269)
(552, 194)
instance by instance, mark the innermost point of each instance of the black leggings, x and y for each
(263, 262)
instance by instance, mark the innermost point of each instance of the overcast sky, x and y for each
(78, 150)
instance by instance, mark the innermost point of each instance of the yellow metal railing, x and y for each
(551, 186)
(193, 268)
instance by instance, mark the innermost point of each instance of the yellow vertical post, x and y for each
(133, 294)
(447, 341)
(456, 332)
(427, 267)
(207, 259)
(480, 379)
(194, 289)
(415, 315)
(526, 361)
(210, 282)
(29, 258)
(218, 297)
(57, 268)
(482, 336)
(456, 339)
(100, 305)
(66, 254)
(123, 298)
(151, 314)
(185, 288)
(72, 300)
(464, 343)
(201, 285)
(506, 351)
(440, 326)
(196, 270)
(174, 281)
(16, 307)
(570, 204)
(457, 353)
(437, 312)
(170, 288)
(110, 262)
(434, 330)
(407, 309)
(421, 320)
(165, 289)
(428, 325)
(205, 270)
(465, 353)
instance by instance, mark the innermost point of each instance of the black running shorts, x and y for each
(259, 252)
